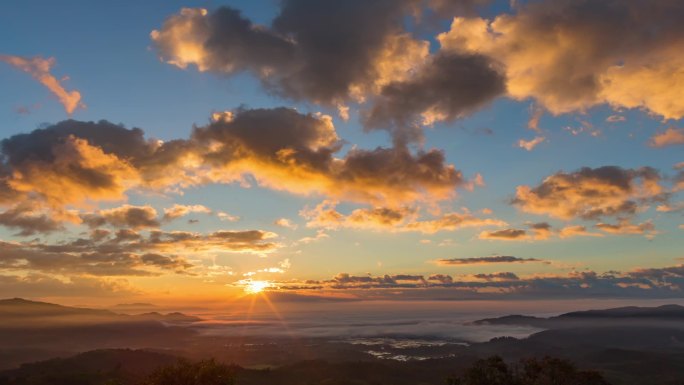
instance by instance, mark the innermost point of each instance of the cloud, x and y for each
(666, 282)
(135, 217)
(529, 145)
(286, 223)
(29, 219)
(247, 241)
(320, 234)
(571, 55)
(39, 69)
(403, 219)
(177, 211)
(72, 162)
(375, 59)
(584, 127)
(506, 235)
(286, 150)
(626, 227)
(537, 232)
(670, 137)
(615, 118)
(591, 193)
(79, 162)
(292, 56)
(130, 253)
(227, 217)
(448, 87)
(533, 123)
(576, 231)
(671, 208)
(679, 181)
(486, 260)
(503, 276)
(543, 231)
(77, 258)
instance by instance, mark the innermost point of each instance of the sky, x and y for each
(209, 151)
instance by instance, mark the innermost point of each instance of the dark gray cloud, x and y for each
(238, 45)
(38, 145)
(505, 234)
(29, 220)
(449, 87)
(485, 260)
(503, 276)
(313, 50)
(337, 42)
(135, 217)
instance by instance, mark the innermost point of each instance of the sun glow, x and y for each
(254, 287)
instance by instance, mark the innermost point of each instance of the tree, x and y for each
(206, 372)
(547, 371)
(489, 371)
(554, 371)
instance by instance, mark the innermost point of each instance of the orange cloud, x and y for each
(626, 227)
(286, 150)
(73, 172)
(30, 218)
(670, 137)
(79, 162)
(286, 223)
(572, 55)
(177, 211)
(591, 193)
(39, 68)
(529, 145)
(577, 231)
(401, 219)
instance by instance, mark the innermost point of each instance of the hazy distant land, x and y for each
(629, 345)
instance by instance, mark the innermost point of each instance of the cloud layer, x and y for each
(665, 282)
(402, 219)
(73, 163)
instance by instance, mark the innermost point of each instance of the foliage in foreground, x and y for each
(206, 372)
(547, 371)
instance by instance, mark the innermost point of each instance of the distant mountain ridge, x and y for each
(662, 313)
(19, 308)
(676, 311)
(25, 307)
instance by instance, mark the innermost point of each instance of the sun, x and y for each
(255, 287)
